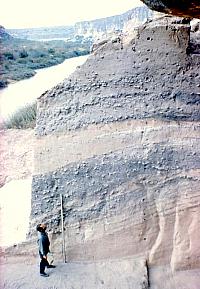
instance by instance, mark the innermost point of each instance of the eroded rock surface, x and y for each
(119, 140)
(185, 8)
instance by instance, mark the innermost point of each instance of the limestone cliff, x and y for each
(119, 140)
(96, 29)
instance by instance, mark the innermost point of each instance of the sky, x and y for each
(39, 13)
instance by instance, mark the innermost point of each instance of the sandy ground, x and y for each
(115, 274)
(23, 273)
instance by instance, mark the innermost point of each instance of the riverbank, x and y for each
(24, 92)
(21, 58)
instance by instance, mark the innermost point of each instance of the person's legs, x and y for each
(43, 263)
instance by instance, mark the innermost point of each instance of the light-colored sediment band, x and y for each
(57, 150)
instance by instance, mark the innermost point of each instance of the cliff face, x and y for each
(97, 28)
(119, 140)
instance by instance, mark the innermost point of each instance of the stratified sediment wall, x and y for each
(119, 140)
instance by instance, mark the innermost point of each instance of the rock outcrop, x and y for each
(3, 34)
(184, 8)
(119, 140)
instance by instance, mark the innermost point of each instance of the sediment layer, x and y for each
(119, 140)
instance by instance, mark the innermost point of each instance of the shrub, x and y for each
(3, 83)
(18, 57)
(51, 50)
(23, 118)
(9, 55)
(23, 54)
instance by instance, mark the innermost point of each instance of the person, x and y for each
(43, 246)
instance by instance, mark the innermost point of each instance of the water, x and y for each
(26, 91)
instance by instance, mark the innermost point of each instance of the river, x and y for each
(26, 91)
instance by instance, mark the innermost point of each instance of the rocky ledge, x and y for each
(185, 8)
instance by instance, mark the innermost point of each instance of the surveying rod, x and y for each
(62, 225)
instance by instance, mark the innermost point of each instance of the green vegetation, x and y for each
(23, 118)
(20, 58)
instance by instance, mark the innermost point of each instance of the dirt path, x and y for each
(117, 274)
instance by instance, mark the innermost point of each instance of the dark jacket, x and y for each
(43, 243)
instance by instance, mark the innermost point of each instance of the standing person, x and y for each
(43, 244)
